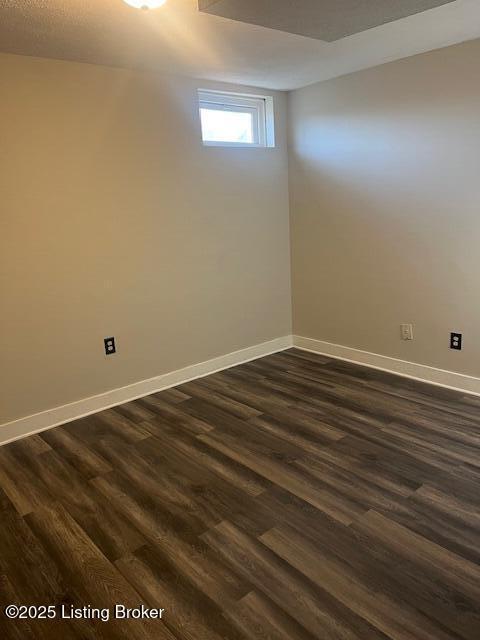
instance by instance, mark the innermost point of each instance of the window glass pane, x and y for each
(227, 126)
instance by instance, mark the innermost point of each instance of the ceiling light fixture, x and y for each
(145, 4)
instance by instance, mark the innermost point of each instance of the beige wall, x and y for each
(385, 208)
(115, 220)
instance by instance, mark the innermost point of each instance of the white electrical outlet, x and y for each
(406, 331)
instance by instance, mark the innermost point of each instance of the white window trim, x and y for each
(261, 108)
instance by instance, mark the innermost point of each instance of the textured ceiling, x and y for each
(327, 20)
(178, 38)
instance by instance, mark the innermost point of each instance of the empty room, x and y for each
(240, 319)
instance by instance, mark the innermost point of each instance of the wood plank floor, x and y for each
(293, 497)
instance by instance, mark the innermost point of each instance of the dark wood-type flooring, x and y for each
(290, 498)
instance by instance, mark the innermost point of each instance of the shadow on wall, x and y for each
(384, 172)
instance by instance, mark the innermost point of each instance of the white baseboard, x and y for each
(38, 422)
(423, 373)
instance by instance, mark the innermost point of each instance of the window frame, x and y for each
(260, 107)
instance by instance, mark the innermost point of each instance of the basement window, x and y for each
(236, 120)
